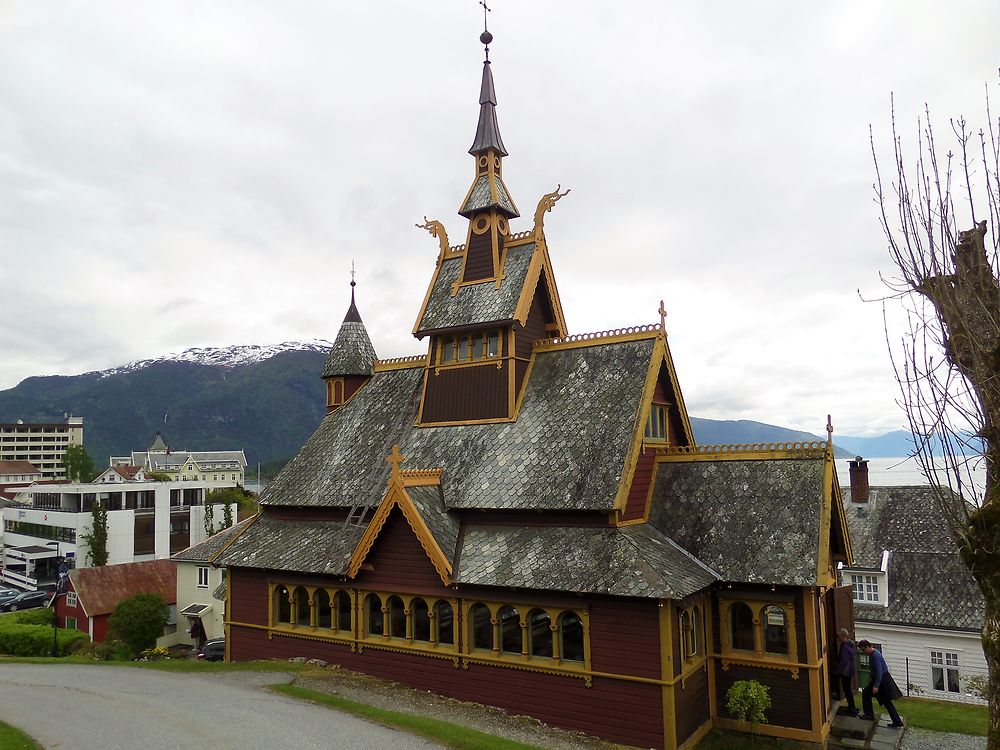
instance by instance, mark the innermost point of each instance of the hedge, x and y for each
(29, 633)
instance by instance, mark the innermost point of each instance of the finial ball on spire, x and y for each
(486, 37)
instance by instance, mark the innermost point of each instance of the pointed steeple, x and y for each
(352, 352)
(488, 129)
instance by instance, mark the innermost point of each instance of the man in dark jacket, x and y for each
(843, 671)
(880, 684)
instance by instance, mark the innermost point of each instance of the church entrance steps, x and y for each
(850, 733)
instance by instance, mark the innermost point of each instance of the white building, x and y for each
(42, 444)
(146, 521)
(187, 466)
(913, 597)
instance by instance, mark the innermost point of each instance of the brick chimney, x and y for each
(859, 480)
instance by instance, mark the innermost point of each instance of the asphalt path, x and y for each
(106, 708)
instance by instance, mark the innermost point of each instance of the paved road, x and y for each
(82, 707)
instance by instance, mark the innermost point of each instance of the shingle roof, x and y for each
(206, 550)
(928, 583)
(566, 451)
(18, 467)
(481, 197)
(352, 352)
(475, 304)
(754, 521)
(628, 561)
(304, 546)
(100, 589)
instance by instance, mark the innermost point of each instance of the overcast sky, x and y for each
(182, 174)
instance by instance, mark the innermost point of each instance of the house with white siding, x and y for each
(913, 597)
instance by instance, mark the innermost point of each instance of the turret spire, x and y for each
(488, 129)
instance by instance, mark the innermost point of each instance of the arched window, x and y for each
(510, 630)
(421, 620)
(540, 633)
(281, 607)
(374, 619)
(397, 617)
(324, 610)
(571, 636)
(480, 626)
(302, 607)
(342, 604)
(741, 627)
(338, 392)
(444, 618)
(775, 629)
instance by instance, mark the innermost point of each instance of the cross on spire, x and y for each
(829, 428)
(394, 459)
(486, 37)
(663, 317)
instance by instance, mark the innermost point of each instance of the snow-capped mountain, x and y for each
(224, 356)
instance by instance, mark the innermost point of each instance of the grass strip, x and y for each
(945, 716)
(449, 735)
(12, 738)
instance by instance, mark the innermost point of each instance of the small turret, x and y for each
(350, 362)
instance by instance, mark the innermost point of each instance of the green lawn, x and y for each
(449, 735)
(14, 739)
(944, 716)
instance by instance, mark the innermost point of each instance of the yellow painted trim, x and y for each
(530, 284)
(492, 420)
(838, 508)
(400, 363)
(423, 395)
(639, 429)
(770, 730)
(601, 338)
(550, 284)
(756, 452)
(495, 361)
(224, 547)
(430, 290)
(713, 708)
(812, 655)
(825, 520)
(678, 393)
(524, 387)
(519, 238)
(760, 657)
(697, 736)
(396, 496)
(667, 673)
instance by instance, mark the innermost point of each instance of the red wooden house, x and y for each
(521, 516)
(93, 593)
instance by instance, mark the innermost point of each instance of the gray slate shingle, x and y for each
(629, 561)
(566, 451)
(476, 304)
(754, 521)
(304, 546)
(928, 583)
(206, 550)
(352, 352)
(444, 527)
(481, 197)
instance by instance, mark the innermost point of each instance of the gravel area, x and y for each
(922, 739)
(397, 697)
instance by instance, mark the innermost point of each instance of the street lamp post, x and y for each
(62, 581)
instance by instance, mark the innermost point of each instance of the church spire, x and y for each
(350, 362)
(488, 129)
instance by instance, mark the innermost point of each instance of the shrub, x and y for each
(29, 633)
(139, 621)
(40, 616)
(747, 700)
(154, 654)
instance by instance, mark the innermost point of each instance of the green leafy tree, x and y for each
(97, 537)
(78, 464)
(227, 515)
(158, 476)
(244, 500)
(139, 620)
(209, 518)
(747, 700)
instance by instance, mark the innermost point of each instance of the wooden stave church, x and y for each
(556, 544)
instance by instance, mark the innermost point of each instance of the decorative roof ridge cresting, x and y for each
(649, 331)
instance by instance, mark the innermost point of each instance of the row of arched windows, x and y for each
(769, 625)
(499, 629)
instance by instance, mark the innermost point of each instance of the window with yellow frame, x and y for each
(758, 629)
(690, 630)
(544, 636)
(405, 620)
(656, 424)
(469, 347)
(323, 610)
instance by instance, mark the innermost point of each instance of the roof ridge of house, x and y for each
(597, 338)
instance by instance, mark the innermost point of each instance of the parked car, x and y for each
(213, 650)
(7, 594)
(26, 600)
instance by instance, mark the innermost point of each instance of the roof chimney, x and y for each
(859, 480)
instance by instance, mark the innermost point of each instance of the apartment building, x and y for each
(147, 520)
(42, 444)
(187, 466)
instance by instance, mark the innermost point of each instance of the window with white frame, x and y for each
(71, 599)
(944, 671)
(865, 588)
(203, 578)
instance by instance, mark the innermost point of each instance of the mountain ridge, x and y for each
(268, 400)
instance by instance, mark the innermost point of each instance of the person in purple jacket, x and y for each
(843, 671)
(880, 684)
